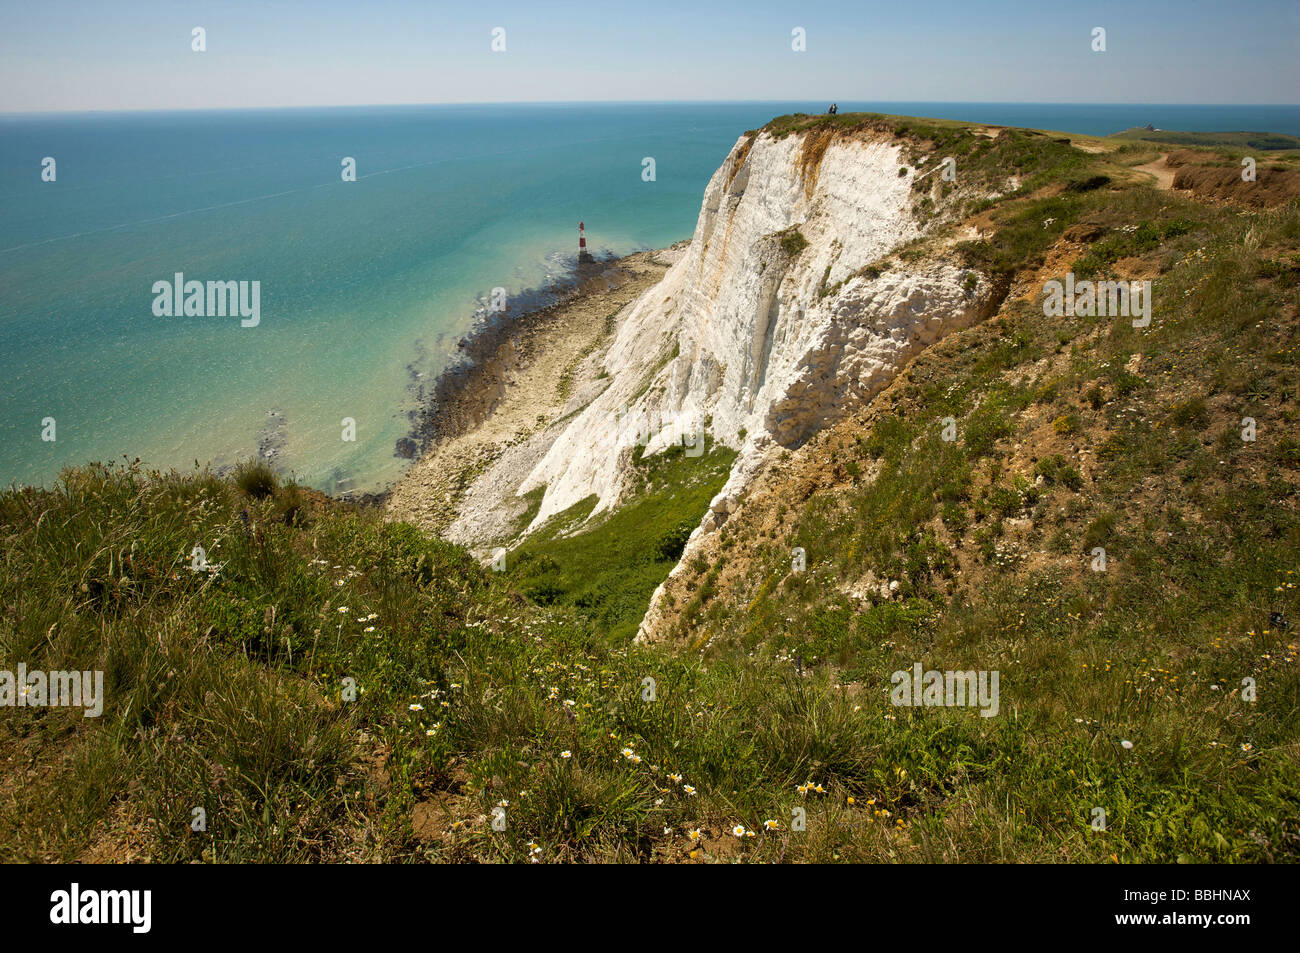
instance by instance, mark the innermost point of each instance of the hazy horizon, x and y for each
(634, 102)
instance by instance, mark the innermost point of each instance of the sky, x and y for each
(60, 55)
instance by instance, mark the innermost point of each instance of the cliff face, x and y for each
(768, 327)
(754, 335)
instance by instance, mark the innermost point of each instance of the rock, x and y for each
(1084, 232)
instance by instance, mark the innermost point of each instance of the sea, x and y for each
(365, 286)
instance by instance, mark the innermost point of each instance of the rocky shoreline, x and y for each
(465, 393)
(518, 372)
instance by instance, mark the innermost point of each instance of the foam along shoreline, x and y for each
(458, 398)
(519, 372)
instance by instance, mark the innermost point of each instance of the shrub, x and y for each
(1089, 184)
(986, 427)
(1100, 531)
(256, 479)
(955, 518)
(1027, 491)
(793, 242)
(671, 544)
(1066, 424)
(1126, 383)
(1146, 237)
(1005, 501)
(1191, 412)
(1054, 470)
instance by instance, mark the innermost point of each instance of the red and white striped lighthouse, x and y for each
(582, 241)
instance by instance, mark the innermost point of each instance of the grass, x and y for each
(222, 683)
(1137, 240)
(610, 568)
(256, 479)
(464, 696)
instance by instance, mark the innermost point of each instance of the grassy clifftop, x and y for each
(1266, 141)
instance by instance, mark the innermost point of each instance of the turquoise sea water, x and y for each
(365, 286)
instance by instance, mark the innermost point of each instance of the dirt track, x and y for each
(1164, 175)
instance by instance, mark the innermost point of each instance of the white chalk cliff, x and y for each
(763, 341)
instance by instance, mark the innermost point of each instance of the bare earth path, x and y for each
(1164, 175)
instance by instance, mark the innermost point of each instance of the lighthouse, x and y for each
(583, 257)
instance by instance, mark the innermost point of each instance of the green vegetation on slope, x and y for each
(227, 690)
(223, 667)
(610, 569)
(1122, 688)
